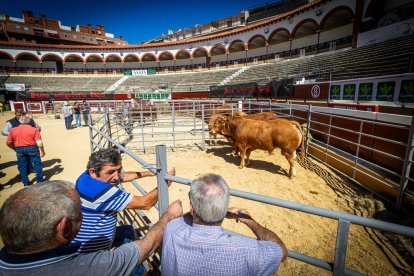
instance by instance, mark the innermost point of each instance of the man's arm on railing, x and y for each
(153, 238)
(261, 232)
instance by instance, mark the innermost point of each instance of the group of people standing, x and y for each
(76, 111)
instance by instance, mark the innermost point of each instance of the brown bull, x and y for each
(265, 135)
(218, 128)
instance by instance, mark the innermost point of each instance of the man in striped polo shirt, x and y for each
(102, 200)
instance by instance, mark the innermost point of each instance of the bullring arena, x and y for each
(342, 71)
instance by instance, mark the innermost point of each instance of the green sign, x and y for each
(365, 91)
(385, 91)
(335, 92)
(407, 91)
(149, 96)
(128, 73)
(349, 92)
(151, 71)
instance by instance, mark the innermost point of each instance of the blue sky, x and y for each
(135, 20)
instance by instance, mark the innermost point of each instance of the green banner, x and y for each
(407, 91)
(349, 92)
(365, 91)
(151, 71)
(335, 92)
(128, 73)
(149, 96)
(385, 91)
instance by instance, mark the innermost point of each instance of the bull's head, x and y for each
(221, 126)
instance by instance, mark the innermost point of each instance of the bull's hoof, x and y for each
(240, 167)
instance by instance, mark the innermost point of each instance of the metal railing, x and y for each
(337, 267)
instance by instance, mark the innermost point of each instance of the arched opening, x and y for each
(166, 60)
(52, 62)
(218, 55)
(94, 63)
(149, 60)
(304, 38)
(113, 63)
(336, 29)
(74, 63)
(257, 48)
(183, 59)
(28, 62)
(237, 52)
(200, 56)
(279, 44)
(131, 62)
(6, 61)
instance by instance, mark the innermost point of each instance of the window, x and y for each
(242, 20)
(26, 29)
(75, 36)
(65, 35)
(83, 38)
(17, 28)
(91, 39)
(229, 24)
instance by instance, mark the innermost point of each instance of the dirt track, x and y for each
(368, 251)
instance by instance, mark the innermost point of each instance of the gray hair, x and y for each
(28, 218)
(24, 120)
(103, 157)
(209, 196)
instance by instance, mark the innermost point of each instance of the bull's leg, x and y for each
(213, 136)
(242, 156)
(290, 157)
(248, 151)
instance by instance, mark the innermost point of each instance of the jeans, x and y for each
(25, 156)
(86, 118)
(126, 234)
(78, 120)
(68, 121)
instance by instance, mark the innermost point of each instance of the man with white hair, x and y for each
(26, 141)
(14, 122)
(67, 114)
(196, 244)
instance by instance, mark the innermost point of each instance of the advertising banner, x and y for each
(407, 91)
(62, 96)
(282, 88)
(15, 87)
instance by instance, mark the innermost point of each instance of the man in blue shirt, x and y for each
(102, 200)
(37, 224)
(196, 244)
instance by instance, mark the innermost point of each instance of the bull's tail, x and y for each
(302, 143)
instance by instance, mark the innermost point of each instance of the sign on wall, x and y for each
(15, 87)
(365, 91)
(407, 91)
(389, 89)
(385, 91)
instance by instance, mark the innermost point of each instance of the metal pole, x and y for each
(308, 130)
(203, 132)
(341, 245)
(173, 125)
(162, 186)
(407, 165)
(357, 151)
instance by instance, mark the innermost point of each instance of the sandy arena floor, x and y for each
(368, 252)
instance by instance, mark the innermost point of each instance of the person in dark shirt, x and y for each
(14, 122)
